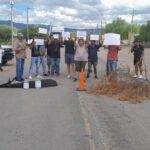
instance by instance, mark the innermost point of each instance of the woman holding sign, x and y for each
(81, 56)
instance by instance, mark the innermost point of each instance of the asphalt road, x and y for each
(59, 118)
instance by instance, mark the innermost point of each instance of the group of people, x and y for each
(77, 54)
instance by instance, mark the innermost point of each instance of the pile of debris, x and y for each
(122, 86)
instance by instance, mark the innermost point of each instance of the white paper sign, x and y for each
(81, 34)
(58, 29)
(111, 39)
(39, 42)
(94, 37)
(66, 35)
(56, 36)
(30, 41)
(42, 30)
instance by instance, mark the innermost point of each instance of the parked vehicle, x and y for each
(8, 53)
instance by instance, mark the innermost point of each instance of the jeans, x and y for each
(55, 66)
(111, 66)
(43, 62)
(90, 63)
(19, 68)
(36, 61)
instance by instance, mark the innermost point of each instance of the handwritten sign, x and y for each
(56, 36)
(39, 42)
(94, 37)
(66, 35)
(82, 34)
(58, 29)
(43, 31)
(111, 39)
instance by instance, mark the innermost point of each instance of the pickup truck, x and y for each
(8, 53)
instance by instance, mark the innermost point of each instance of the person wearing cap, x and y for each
(93, 48)
(138, 52)
(19, 46)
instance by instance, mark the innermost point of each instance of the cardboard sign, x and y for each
(43, 31)
(111, 39)
(82, 34)
(66, 35)
(39, 42)
(94, 37)
(56, 36)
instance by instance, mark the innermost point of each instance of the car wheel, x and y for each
(4, 62)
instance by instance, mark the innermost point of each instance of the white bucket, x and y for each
(38, 84)
(26, 85)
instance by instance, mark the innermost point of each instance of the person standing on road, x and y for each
(48, 45)
(112, 58)
(69, 57)
(20, 50)
(138, 51)
(81, 57)
(1, 54)
(35, 58)
(55, 56)
(93, 57)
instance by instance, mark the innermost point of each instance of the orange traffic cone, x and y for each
(81, 82)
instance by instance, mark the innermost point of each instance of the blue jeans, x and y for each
(19, 68)
(36, 61)
(111, 66)
(43, 62)
(55, 66)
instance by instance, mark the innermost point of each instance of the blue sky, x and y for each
(77, 13)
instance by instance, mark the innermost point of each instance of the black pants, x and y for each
(90, 64)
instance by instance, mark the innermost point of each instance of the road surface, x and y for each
(60, 118)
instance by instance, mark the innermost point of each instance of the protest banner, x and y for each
(39, 42)
(56, 36)
(111, 39)
(58, 29)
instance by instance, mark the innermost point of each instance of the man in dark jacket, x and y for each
(138, 52)
(93, 57)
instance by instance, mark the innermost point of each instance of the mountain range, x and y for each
(23, 26)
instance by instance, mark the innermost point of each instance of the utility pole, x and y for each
(12, 13)
(101, 28)
(28, 23)
(133, 13)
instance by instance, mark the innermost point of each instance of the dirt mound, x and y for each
(123, 87)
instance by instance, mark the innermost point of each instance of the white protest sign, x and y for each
(29, 41)
(66, 35)
(58, 29)
(39, 42)
(94, 37)
(56, 36)
(43, 31)
(111, 39)
(82, 34)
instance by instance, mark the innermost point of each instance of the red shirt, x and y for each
(113, 53)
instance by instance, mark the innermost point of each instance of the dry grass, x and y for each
(123, 87)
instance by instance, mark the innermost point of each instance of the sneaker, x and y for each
(87, 76)
(45, 75)
(135, 76)
(40, 77)
(68, 76)
(140, 77)
(75, 79)
(30, 77)
(96, 77)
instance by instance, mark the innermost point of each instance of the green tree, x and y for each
(121, 27)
